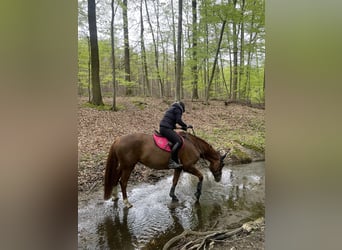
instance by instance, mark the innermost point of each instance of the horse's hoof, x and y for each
(175, 199)
(127, 204)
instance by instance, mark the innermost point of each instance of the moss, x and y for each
(239, 156)
(140, 104)
(254, 147)
(104, 107)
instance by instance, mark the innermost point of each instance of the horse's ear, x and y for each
(223, 156)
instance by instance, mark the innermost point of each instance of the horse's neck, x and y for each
(204, 148)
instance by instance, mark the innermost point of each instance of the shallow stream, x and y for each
(154, 218)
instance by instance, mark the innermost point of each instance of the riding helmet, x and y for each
(183, 106)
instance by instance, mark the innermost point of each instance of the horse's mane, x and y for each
(204, 147)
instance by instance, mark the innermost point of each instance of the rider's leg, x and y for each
(174, 162)
(174, 152)
(173, 137)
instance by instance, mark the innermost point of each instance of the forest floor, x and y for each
(234, 127)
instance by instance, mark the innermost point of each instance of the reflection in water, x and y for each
(115, 233)
(154, 219)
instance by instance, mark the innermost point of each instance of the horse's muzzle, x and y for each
(217, 176)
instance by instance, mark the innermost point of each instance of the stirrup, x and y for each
(174, 165)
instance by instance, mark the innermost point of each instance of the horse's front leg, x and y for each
(176, 175)
(199, 189)
(197, 173)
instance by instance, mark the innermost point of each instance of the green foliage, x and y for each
(104, 107)
(210, 17)
(83, 59)
(101, 107)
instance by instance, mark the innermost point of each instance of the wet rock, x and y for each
(243, 154)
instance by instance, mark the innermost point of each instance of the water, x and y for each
(154, 218)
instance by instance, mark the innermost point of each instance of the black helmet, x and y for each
(183, 106)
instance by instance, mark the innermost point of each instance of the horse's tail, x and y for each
(110, 173)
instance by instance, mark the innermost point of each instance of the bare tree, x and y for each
(113, 55)
(156, 54)
(235, 57)
(94, 51)
(126, 47)
(179, 51)
(242, 48)
(194, 68)
(143, 53)
(215, 60)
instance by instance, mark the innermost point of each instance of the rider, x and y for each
(167, 125)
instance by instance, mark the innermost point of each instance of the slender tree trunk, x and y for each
(95, 64)
(264, 82)
(113, 55)
(159, 34)
(230, 67)
(89, 71)
(129, 90)
(235, 57)
(194, 51)
(164, 53)
(242, 45)
(143, 53)
(215, 60)
(156, 54)
(174, 40)
(206, 59)
(222, 73)
(179, 50)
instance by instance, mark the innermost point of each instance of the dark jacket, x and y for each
(173, 116)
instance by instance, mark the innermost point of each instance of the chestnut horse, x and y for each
(130, 149)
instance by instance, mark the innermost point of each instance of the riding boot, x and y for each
(173, 162)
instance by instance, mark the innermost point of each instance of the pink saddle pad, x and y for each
(163, 143)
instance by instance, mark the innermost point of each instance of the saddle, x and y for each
(163, 143)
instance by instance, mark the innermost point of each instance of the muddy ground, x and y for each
(233, 127)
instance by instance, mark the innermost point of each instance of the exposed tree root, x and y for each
(210, 237)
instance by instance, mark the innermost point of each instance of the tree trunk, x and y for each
(89, 71)
(230, 68)
(206, 59)
(215, 61)
(235, 58)
(179, 50)
(194, 51)
(113, 55)
(156, 54)
(126, 48)
(222, 73)
(94, 51)
(242, 45)
(143, 53)
(174, 40)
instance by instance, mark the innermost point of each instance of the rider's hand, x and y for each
(190, 126)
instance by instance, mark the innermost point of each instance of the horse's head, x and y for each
(217, 165)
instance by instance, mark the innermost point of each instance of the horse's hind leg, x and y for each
(123, 183)
(176, 175)
(115, 196)
(115, 193)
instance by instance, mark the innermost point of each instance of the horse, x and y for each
(130, 149)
